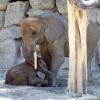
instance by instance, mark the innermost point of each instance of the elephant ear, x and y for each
(54, 29)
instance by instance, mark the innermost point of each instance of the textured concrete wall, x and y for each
(12, 13)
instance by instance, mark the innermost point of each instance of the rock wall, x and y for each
(12, 12)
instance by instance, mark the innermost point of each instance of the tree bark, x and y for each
(77, 29)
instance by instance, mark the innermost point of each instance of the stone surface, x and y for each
(98, 17)
(3, 4)
(8, 53)
(15, 13)
(12, 32)
(42, 4)
(2, 17)
(95, 90)
(9, 47)
(88, 97)
(94, 15)
(62, 6)
(98, 4)
(35, 11)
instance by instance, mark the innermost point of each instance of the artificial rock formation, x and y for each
(42, 4)
(3, 4)
(9, 46)
(2, 15)
(15, 13)
(61, 6)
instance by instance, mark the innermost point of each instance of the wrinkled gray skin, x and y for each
(85, 4)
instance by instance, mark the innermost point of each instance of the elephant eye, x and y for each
(34, 33)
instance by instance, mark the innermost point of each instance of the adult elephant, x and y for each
(49, 31)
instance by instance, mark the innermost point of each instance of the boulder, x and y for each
(62, 6)
(2, 17)
(10, 33)
(42, 4)
(8, 54)
(35, 11)
(9, 46)
(94, 15)
(15, 13)
(3, 4)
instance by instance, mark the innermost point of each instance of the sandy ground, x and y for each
(8, 92)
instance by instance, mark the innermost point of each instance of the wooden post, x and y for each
(77, 29)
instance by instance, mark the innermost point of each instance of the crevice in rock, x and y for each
(17, 0)
(56, 8)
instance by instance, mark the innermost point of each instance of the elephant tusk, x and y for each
(35, 59)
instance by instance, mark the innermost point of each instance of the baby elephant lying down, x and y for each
(24, 74)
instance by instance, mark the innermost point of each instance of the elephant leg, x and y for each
(47, 58)
(48, 74)
(57, 60)
(90, 51)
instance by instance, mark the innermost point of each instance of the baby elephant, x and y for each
(24, 74)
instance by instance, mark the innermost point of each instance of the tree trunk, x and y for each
(77, 29)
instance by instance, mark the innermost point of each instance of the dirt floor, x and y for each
(8, 92)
